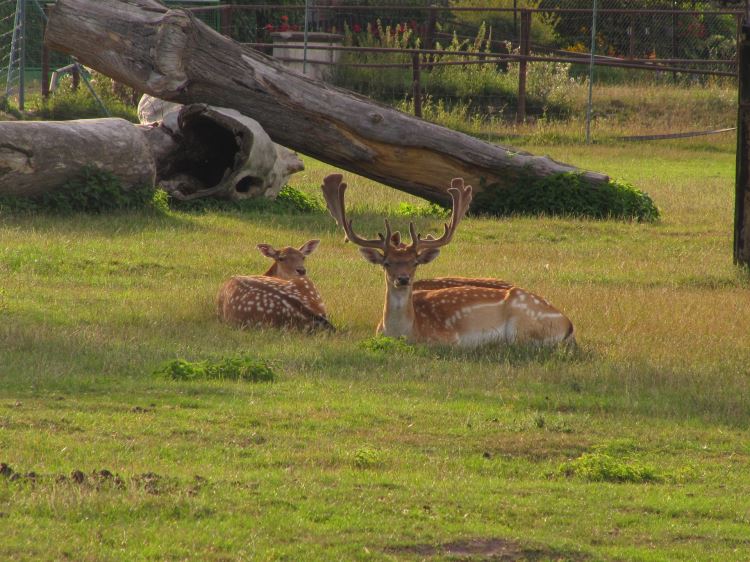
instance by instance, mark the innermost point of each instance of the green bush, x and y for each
(246, 369)
(566, 194)
(601, 467)
(91, 191)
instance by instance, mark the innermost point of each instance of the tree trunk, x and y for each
(172, 55)
(194, 151)
(40, 156)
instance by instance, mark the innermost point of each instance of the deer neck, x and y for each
(398, 314)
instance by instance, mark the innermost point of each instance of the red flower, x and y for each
(356, 28)
(285, 18)
(295, 27)
(269, 27)
(284, 27)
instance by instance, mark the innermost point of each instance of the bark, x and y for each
(195, 151)
(39, 156)
(172, 55)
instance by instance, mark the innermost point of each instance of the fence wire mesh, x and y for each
(489, 58)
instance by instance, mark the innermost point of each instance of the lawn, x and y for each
(634, 447)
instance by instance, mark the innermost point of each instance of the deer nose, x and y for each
(301, 270)
(402, 279)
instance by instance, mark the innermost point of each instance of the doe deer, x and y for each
(453, 310)
(283, 296)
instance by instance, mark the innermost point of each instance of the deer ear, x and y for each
(427, 256)
(268, 251)
(372, 255)
(309, 247)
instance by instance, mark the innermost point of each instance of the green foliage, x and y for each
(290, 200)
(566, 194)
(247, 369)
(433, 210)
(367, 457)
(67, 103)
(601, 467)
(385, 345)
(91, 191)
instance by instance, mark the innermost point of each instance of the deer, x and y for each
(453, 311)
(283, 297)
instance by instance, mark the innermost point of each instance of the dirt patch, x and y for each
(487, 549)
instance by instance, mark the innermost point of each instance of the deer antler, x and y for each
(333, 192)
(461, 196)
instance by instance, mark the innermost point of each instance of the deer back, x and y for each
(259, 300)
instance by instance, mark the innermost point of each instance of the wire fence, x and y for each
(515, 59)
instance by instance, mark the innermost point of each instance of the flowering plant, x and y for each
(284, 25)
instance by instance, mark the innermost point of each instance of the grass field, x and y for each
(634, 447)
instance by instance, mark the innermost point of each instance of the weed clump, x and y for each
(384, 344)
(247, 369)
(367, 457)
(601, 467)
(429, 210)
(566, 194)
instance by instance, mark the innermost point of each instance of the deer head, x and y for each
(289, 263)
(398, 259)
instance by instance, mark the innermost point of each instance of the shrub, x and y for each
(246, 369)
(566, 194)
(601, 467)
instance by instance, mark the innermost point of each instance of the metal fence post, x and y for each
(429, 36)
(591, 75)
(45, 65)
(742, 173)
(522, 65)
(22, 59)
(416, 85)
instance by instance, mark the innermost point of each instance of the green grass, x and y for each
(633, 447)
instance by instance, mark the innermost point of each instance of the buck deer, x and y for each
(283, 296)
(452, 310)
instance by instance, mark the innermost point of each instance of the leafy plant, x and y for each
(367, 457)
(384, 344)
(566, 194)
(241, 368)
(429, 210)
(601, 467)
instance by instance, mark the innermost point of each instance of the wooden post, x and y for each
(429, 39)
(416, 85)
(525, 42)
(226, 20)
(45, 64)
(76, 75)
(742, 178)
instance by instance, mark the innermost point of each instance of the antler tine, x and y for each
(333, 192)
(461, 198)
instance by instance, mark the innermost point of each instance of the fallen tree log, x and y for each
(195, 151)
(40, 156)
(172, 55)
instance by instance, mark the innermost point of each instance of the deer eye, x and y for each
(280, 258)
(386, 263)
